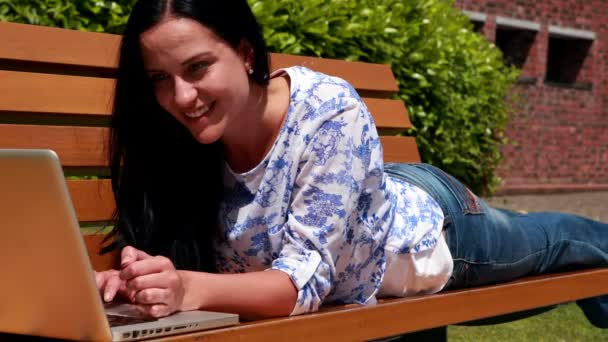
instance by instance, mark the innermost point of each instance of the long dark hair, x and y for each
(167, 185)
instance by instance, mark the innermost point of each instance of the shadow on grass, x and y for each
(565, 323)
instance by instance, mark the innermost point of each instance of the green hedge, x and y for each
(452, 80)
(86, 15)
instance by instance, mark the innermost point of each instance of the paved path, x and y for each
(590, 204)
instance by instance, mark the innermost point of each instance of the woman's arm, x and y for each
(252, 295)
(158, 289)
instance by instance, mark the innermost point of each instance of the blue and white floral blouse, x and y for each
(319, 206)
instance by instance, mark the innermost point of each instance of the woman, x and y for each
(278, 183)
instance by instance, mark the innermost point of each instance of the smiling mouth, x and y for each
(199, 112)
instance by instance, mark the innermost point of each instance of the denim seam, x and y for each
(525, 258)
(445, 185)
(471, 205)
(494, 263)
(466, 200)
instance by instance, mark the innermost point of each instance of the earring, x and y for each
(250, 71)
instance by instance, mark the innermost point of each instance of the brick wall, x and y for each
(561, 129)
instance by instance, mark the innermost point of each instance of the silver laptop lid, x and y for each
(48, 283)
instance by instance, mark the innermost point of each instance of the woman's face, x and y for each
(197, 77)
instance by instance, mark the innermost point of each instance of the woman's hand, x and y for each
(110, 285)
(157, 287)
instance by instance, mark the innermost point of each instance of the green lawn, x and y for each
(565, 323)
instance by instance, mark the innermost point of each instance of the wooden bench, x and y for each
(55, 92)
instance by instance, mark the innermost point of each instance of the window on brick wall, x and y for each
(477, 19)
(566, 60)
(477, 26)
(515, 44)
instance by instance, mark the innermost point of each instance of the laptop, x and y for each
(48, 285)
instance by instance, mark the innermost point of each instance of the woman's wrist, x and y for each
(193, 295)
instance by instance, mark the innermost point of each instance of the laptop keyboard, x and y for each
(117, 320)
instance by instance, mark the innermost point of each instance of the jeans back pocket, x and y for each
(467, 201)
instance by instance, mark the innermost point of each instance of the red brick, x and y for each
(562, 133)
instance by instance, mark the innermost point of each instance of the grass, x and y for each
(565, 323)
(95, 228)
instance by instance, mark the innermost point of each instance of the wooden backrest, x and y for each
(56, 88)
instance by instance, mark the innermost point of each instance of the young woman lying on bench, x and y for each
(266, 194)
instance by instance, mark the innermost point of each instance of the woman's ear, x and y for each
(245, 50)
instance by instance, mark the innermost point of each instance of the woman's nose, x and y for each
(185, 93)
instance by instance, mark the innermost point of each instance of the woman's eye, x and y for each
(198, 66)
(155, 78)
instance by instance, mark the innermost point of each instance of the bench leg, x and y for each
(431, 335)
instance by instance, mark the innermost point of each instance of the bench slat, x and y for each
(400, 149)
(41, 44)
(93, 199)
(76, 146)
(403, 315)
(78, 95)
(388, 113)
(30, 43)
(100, 262)
(85, 146)
(48, 93)
(363, 76)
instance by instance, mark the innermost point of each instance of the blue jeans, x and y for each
(492, 245)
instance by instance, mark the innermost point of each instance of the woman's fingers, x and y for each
(142, 279)
(146, 266)
(109, 284)
(129, 255)
(155, 280)
(113, 284)
(151, 282)
(97, 279)
(155, 310)
(100, 279)
(152, 296)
